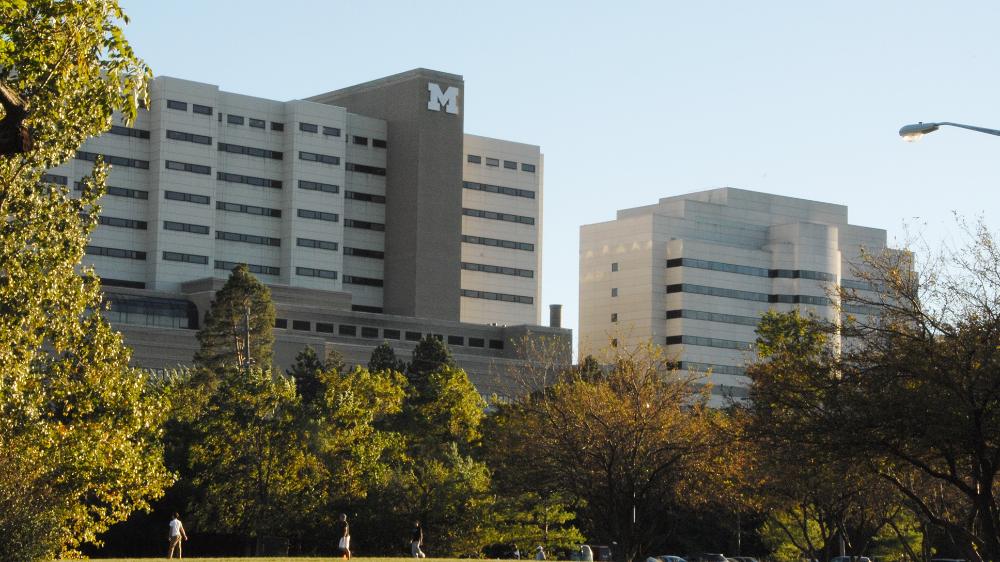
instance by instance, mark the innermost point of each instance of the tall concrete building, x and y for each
(694, 273)
(368, 210)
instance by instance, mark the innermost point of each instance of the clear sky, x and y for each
(634, 101)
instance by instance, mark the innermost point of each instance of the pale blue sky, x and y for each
(633, 101)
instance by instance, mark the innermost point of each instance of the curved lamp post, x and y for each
(911, 133)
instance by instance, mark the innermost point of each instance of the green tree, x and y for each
(449, 411)
(242, 305)
(79, 426)
(384, 359)
(429, 356)
(307, 373)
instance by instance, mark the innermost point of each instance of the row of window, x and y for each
(318, 244)
(713, 317)
(365, 169)
(248, 209)
(113, 160)
(715, 369)
(185, 258)
(371, 332)
(187, 197)
(493, 215)
(187, 167)
(189, 137)
(251, 267)
(858, 284)
(509, 244)
(249, 180)
(314, 128)
(183, 106)
(750, 270)
(369, 197)
(318, 215)
(707, 342)
(254, 123)
(319, 186)
(250, 151)
(313, 272)
(55, 178)
(495, 163)
(744, 295)
(363, 141)
(129, 132)
(485, 268)
(491, 296)
(364, 225)
(115, 253)
(367, 281)
(363, 253)
(185, 227)
(121, 223)
(498, 189)
(316, 157)
(247, 238)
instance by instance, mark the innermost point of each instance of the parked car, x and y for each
(665, 558)
(710, 557)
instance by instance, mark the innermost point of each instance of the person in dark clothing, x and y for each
(417, 539)
(343, 533)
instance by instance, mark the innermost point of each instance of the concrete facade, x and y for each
(355, 201)
(695, 272)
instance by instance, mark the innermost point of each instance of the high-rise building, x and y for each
(368, 210)
(695, 272)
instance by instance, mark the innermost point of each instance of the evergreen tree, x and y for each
(430, 355)
(384, 359)
(243, 302)
(335, 362)
(79, 441)
(307, 372)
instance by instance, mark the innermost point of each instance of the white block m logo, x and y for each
(447, 99)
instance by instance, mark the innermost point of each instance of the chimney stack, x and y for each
(555, 315)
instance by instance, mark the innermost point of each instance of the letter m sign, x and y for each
(447, 99)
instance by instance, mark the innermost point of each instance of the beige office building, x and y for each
(368, 210)
(695, 272)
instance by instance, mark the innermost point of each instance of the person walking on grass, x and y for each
(343, 533)
(417, 539)
(175, 536)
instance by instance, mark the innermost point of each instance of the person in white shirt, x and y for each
(175, 537)
(539, 553)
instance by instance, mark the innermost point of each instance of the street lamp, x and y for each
(911, 133)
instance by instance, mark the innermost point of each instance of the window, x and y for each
(368, 332)
(308, 127)
(488, 295)
(363, 169)
(614, 291)
(302, 325)
(257, 123)
(318, 244)
(108, 282)
(312, 272)
(614, 316)
(277, 126)
(413, 336)
(379, 143)
(474, 159)
(498, 189)
(185, 167)
(510, 244)
(116, 191)
(527, 167)
(188, 137)
(324, 327)
(369, 197)
(509, 165)
(713, 317)
(456, 340)
(185, 227)
(248, 209)
(331, 131)
(492, 162)
(360, 140)
(280, 323)
(390, 334)
(188, 197)
(178, 105)
(247, 238)
(477, 342)
(115, 253)
(249, 180)
(129, 132)
(201, 109)
(503, 270)
(111, 159)
(369, 281)
(251, 267)
(347, 330)
(493, 215)
(324, 158)
(614, 342)
(250, 151)
(363, 253)
(317, 186)
(365, 225)
(707, 342)
(365, 308)
(121, 223)
(57, 179)
(318, 215)
(496, 344)
(186, 258)
(234, 119)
